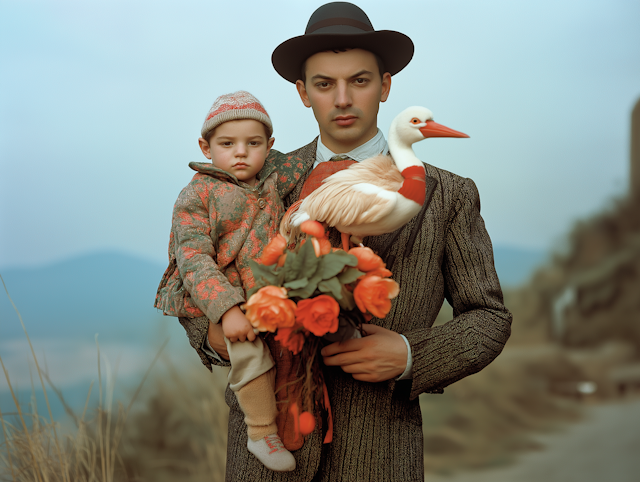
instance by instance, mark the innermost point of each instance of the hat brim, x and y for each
(394, 48)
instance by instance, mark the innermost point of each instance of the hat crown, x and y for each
(235, 106)
(340, 25)
(338, 14)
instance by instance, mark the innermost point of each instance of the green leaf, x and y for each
(306, 263)
(331, 264)
(264, 275)
(347, 302)
(251, 291)
(332, 286)
(290, 272)
(295, 284)
(308, 290)
(349, 275)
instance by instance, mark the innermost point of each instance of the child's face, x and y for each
(238, 147)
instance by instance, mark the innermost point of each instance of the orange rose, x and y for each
(316, 247)
(319, 315)
(290, 340)
(382, 272)
(312, 228)
(367, 259)
(282, 259)
(321, 246)
(273, 250)
(325, 246)
(269, 309)
(374, 294)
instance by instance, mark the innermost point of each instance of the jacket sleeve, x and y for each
(482, 324)
(197, 329)
(210, 290)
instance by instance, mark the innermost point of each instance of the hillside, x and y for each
(115, 292)
(102, 292)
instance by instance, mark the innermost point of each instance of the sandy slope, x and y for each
(604, 447)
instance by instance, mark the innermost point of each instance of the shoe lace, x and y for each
(274, 443)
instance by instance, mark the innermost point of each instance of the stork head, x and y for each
(416, 123)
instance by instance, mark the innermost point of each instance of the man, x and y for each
(342, 69)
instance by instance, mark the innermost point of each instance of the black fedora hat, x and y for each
(341, 25)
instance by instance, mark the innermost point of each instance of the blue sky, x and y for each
(101, 105)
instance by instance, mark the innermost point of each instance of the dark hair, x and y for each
(303, 67)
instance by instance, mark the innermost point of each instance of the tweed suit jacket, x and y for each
(444, 252)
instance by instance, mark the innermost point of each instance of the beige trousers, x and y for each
(252, 378)
(249, 360)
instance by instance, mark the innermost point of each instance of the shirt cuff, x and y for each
(408, 371)
(206, 347)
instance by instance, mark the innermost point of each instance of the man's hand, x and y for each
(379, 356)
(236, 327)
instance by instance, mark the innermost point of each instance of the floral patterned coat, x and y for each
(218, 225)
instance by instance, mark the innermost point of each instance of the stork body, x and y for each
(380, 194)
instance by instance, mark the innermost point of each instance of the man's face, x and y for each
(238, 147)
(344, 89)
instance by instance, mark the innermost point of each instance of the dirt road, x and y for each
(604, 447)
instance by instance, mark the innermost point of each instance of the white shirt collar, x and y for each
(373, 147)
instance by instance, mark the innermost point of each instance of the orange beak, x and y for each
(433, 129)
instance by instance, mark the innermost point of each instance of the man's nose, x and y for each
(343, 96)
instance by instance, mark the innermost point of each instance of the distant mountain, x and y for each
(114, 292)
(103, 292)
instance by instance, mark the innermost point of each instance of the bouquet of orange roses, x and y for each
(313, 294)
(313, 290)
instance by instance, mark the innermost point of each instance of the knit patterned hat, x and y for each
(235, 106)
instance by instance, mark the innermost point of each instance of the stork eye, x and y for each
(415, 120)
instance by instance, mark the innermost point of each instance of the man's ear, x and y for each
(205, 148)
(270, 144)
(302, 92)
(386, 86)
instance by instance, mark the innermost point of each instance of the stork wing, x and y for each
(362, 194)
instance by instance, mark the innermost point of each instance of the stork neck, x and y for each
(402, 153)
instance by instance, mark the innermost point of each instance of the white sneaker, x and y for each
(271, 452)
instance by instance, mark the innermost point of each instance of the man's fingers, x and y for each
(341, 347)
(344, 358)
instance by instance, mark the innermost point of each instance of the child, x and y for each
(223, 218)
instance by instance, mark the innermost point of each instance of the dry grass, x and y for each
(179, 429)
(35, 448)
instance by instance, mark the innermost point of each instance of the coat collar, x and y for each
(210, 170)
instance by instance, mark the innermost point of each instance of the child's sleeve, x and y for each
(210, 289)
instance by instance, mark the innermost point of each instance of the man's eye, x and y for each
(322, 85)
(361, 81)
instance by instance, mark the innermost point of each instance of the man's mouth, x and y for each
(345, 120)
